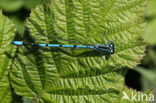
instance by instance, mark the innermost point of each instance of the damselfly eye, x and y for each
(111, 45)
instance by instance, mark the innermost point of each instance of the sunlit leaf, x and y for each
(7, 32)
(79, 75)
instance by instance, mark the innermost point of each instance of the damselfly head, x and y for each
(108, 48)
(111, 45)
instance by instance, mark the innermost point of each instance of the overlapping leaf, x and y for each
(7, 32)
(66, 76)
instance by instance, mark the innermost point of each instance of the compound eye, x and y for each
(112, 48)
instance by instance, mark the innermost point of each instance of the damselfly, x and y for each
(107, 48)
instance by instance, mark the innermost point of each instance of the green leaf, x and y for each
(19, 10)
(11, 5)
(14, 5)
(79, 75)
(7, 32)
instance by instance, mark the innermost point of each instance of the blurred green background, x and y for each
(148, 67)
(143, 77)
